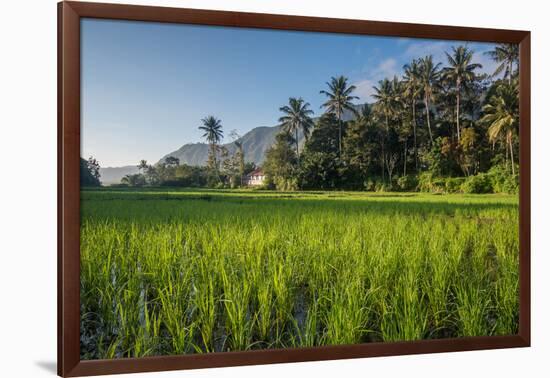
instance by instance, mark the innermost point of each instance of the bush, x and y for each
(369, 185)
(380, 186)
(480, 183)
(503, 181)
(375, 184)
(438, 185)
(454, 184)
(407, 183)
(425, 182)
(430, 184)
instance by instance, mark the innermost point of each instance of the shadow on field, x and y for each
(162, 204)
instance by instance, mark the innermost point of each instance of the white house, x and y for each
(255, 178)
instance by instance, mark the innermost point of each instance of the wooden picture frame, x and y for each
(69, 16)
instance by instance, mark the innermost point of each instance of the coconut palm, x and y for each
(507, 55)
(460, 72)
(213, 134)
(386, 95)
(501, 114)
(297, 116)
(236, 138)
(339, 99)
(385, 99)
(429, 76)
(142, 166)
(412, 89)
(364, 117)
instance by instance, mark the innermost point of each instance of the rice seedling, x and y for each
(171, 272)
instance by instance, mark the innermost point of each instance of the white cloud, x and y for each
(374, 71)
(386, 68)
(364, 90)
(436, 49)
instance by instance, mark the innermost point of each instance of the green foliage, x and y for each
(478, 184)
(195, 271)
(407, 183)
(89, 172)
(136, 180)
(281, 164)
(502, 181)
(320, 167)
(429, 183)
(454, 184)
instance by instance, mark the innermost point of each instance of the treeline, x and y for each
(437, 128)
(171, 173)
(89, 172)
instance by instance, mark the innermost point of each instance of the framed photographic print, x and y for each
(239, 188)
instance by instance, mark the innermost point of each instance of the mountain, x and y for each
(255, 144)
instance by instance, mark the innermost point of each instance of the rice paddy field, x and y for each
(195, 271)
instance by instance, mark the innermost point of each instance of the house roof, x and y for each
(256, 172)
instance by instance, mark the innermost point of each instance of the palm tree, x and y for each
(385, 99)
(142, 166)
(386, 96)
(412, 89)
(213, 133)
(429, 75)
(502, 116)
(399, 110)
(339, 99)
(297, 117)
(507, 55)
(239, 154)
(460, 72)
(365, 115)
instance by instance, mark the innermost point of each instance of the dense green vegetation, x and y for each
(350, 252)
(441, 127)
(171, 271)
(89, 172)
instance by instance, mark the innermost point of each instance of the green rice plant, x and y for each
(263, 319)
(284, 297)
(236, 297)
(473, 305)
(174, 299)
(506, 285)
(308, 334)
(404, 315)
(107, 351)
(175, 271)
(443, 259)
(205, 300)
(347, 316)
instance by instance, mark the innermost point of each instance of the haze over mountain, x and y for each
(112, 175)
(255, 144)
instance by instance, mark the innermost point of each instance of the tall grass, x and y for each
(208, 271)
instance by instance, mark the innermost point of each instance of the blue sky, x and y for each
(146, 86)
